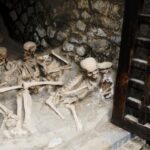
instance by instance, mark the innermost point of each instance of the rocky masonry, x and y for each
(82, 27)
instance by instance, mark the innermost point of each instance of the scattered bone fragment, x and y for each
(8, 113)
(9, 119)
(104, 65)
(77, 121)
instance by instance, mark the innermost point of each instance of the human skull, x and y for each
(90, 66)
(3, 55)
(29, 49)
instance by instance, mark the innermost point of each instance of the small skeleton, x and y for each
(10, 119)
(51, 65)
(29, 50)
(30, 68)
(27, 70)
(80, 87)
(19, 72)
(27, 101)
(22, 125)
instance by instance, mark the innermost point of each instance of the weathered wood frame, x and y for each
(131, 23)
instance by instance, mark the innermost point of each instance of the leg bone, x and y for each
(77, 121)
(49, 103)
(27, 107)
(18, 129)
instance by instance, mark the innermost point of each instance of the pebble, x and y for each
(55, 142)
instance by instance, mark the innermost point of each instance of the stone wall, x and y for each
(84, 27)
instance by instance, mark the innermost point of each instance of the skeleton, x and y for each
(51, 67)
(30, 69)
(80, 87)
(106, 86)
(29, 50)
(23, 126)
(19, 70)
(25, 71)
(10, 119)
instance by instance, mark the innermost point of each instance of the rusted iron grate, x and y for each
(131, 109)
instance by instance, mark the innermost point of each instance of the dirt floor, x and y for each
(49, 126)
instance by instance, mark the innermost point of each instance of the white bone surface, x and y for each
(51, 105)
(77, 121)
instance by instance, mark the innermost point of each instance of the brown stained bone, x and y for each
(32, 72)
(77, 121)
(104, 65)
(31, 84)
(3, 55)
(36, 74)
(25, 73)
(29, 49)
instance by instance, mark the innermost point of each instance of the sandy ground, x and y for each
(49, 126)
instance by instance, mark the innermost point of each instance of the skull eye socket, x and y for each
(2, 56)
(95, 72)
(89, 73)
